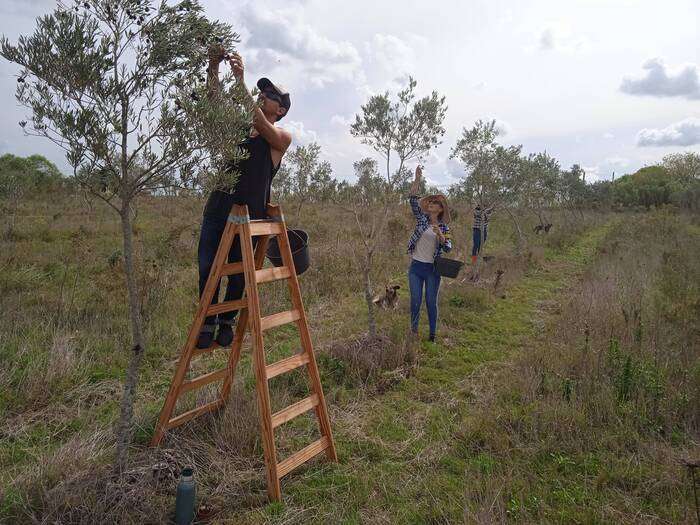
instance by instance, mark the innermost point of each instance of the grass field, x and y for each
(568, 394)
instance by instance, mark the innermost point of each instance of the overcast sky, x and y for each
(609, 84)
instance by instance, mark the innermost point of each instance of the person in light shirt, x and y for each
(430, 238)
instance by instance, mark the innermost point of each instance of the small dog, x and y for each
(388, 299)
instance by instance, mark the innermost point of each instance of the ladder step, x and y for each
(203, 380)
(301, 457)
(227, 306)
(267, 275)
(292, 411)
(183, 418)
(214, 346)
(279, 319)
(286, 365)
(265, 228)
(232, 268)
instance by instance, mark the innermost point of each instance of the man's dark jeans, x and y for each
(209, 239)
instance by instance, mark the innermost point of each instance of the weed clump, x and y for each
(365, 360)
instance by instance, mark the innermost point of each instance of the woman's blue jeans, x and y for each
(422, 274)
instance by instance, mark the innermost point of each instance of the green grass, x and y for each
(454, 438)
(412, 460)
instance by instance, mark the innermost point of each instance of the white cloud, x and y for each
(390, 53)
(683, 133)
(283, 36)
(663, 81)
(592, 173)
(300, 135)
(608, 135)
(343, 122)
(619, 162)
(31, 7)
(558, 37)
(503, 127)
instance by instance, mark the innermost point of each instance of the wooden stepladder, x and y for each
(250, 318)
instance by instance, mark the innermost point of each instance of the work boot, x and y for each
(431, 338)
(225, 335)
(206, 337)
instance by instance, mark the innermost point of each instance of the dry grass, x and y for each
(65, 329)
(605, 401)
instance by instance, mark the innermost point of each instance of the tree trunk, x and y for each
(521, 238)
(371, 320)
(125, 424)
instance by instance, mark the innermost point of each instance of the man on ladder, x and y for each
(266, 146)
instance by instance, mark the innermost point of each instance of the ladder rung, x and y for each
(272, 274)
(279, 319)
(227, 306)
(292, 411)
(214, 346)
(301, 457)
(286, 365)
(232, 268)
(203, 380)
(265, 228)
(183, 418)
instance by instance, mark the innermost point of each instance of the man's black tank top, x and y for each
(253, 186)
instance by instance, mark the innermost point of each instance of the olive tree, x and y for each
(305, 176)
(493, 172)
(119, 85)
(399, 130)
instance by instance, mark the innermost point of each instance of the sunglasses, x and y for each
(269, 94)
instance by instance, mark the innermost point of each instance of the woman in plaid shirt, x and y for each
(430, 238)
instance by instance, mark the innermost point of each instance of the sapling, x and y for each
(404, 129)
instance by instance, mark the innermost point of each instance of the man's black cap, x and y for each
(266, 83)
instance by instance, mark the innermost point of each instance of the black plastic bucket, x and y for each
(299, 245)
(447, 267)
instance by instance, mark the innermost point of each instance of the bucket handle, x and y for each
(305, 243)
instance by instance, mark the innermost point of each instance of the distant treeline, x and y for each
(305, 178)
(25, 176)
(676, 180)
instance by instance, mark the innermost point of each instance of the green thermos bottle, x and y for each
(184, 500)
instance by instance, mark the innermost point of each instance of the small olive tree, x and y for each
(305, 177)
(400, 130)
(493, 174)
(119, 85)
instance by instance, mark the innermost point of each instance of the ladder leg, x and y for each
(242, 325)
(235, 354)
(312, 367)
(220, 258)
(264, 408)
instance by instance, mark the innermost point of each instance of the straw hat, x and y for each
(441, 198)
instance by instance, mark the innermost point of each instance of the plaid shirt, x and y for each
(481, 217)
(422, 224)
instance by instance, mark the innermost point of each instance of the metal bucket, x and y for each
(299, 245)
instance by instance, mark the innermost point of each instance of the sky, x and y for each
(611, 85)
